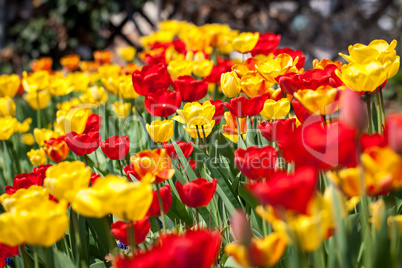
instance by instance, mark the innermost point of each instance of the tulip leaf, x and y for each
(178, 211)
(231, 263)
(100, 230)
(250, 137)
(62, 260)
(184, 162)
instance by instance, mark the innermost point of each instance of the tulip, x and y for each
(7, 127)
(42, 64)
(196, 114)
(202, 68)
(242, 107)
(36, 81)
(150, 79)
(254, 84)
(219, 110)
(121, 109)
(230, 129)
(302, 114)
(275, 109)
(230, 84)
(163, 103)
(271, 68)
(256, 163)
(392, 132)
(190, 89)
(282, 189)
(103, 56)
(375, 140)
(323, 100)
(197, 193)
(245, 42)
(198, 249)
(93, 123)
(160, 131)
(7, 107)
(141, 230)
(38, 100)
(186, 148)
(27, 139)
(96, 95)
(84, 143)
(322, 64)
(7, 252)
(73, 120)
(59, 86)
(277, 130)
(9, 85)
(199, 132)
(156, 162)
(70, 62)
(94, 178)
(125, 87)
(127, 53)
(65, 179)
(180, 67)
(115, 147)
(44, 134)
(37, 157)
(223, 66)
(395, 221)
(24, 126)
(24, 181)
(293, 53)
(166, 196)
(266, 43)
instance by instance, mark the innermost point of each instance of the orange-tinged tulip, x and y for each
(271, 68)
(324, 63)
(254, 84)
(70, 62)
(56, 149)
(42, 64)
(230, 129)
(323, 100)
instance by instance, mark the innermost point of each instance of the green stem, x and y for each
(370, 129)
(131, 235)
(11, 158)
(161, 208)
(379, 111)
(121, 169)
(38, 109)
(197, 212)
(77, 235)
(382, 102)
(7, 180)
(86, 159)
(35, 256)
(205, 140)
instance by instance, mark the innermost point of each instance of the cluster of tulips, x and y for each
(209, 148)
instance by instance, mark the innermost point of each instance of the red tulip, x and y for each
(293, 54)
(197, 193)
(256, 163)
(151, 78)
(195, 249)
(56, 149)
(375, 140)
(41, 171)
(115, 147)
(24, 180)
(93, 123)
(191, 89)
(393, 132)
(266, 44)
(129, 170)
(7, 252)
(219, 110)
(291, 192)
(84, 143)
(141, 230)
(276, 130)
(223, 66)
(166, 196)
(163, 103)
(302, 114)
(186, 148)
(242, 107)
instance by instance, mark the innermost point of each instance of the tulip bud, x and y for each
(392, 132)
(230, 84)
(352, 111)
(241, 227)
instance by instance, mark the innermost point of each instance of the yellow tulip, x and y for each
(178, 68)
(160, 36)
(66, 178)
(360, 77)
(121, 109)
(73, 120)
(230, 84)
(324, 100)
(36, 81)
(44, 134)
(254, 84)
(202, 68)
(95, 94)
(37, 157)
(34, 193)
(59, 86)
(230, 130)
(202, 131)
(196, 39)
(24, 126)
(275, 109)
(9, 85)
(194, 113)
(271, 68)
(126, 89)
(225, 43)
(79, 81)
(109, 70)
(67, 105)
(38, 99)
(7, 106)
(127, 53)
(160, 131)
(10, 235)
(27, 139)
(245, 42)
(378, 212)
(7, 127)
(397, 221)
(260, 252)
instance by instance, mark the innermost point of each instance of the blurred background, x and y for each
(320, 28)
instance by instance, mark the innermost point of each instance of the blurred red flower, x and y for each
(115, 147)
(84, 143)
(166, 196)
(196, 193)
(141, 230)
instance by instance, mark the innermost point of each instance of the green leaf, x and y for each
(62, 260)
(184, 162)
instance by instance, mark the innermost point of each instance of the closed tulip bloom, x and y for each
(202, 68)
(7, 107)
(7, 127)
(65, 179)
(180, 67)
(197, 193)
(275, 109)
(141, 230)
(36, 81)
(395, 221)
(38, 102)
(256, 163)
(156, 162)
(166, 196)
(242, 107)
(186, 148)
(219, 110)
(282, 189)
(392, 132)
(302, 114)
(230, 129)
(163, 103)
(195, 113)
(42, 64)
(9, 85)
(84, 143)
(127, 53)
(37, 157)
(115, 147)
(59, 86)
(93, 123)
(160, 131)
(125, 87)
(323, 100)
(190, 89)
(259, 252)
(230, 84)
(245, 42)
(70, 62)
(277, 130)
(151, 78)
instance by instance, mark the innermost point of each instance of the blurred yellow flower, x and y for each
(230, 84)
(7, 127)
(95, 94)
(59, 86)
(275, 109)
(38, 99)
(24, 126)
(7, 106)
(27, 139)
(245, 42)
(178, 68)
(35, 81)
(9, 85)
(202, 68)
(127, 53)
(121, 109)
(37, 157)
(378, 213)
(160, 131)
(324, 100)
(79, 81)
(44, 134)
(397, 221)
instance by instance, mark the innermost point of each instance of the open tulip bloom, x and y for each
(259, 162)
